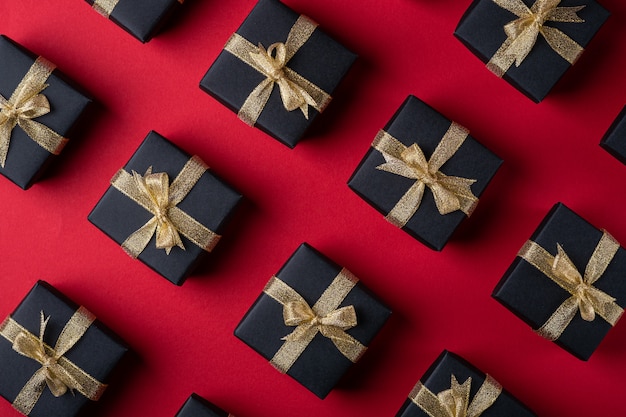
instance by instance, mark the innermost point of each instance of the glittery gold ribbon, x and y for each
(450, 193)
(455, 402)
(296, 91)
(25, 104)
(523, 32)
(56, 372)
(154, 193)
(105, 7)
(325, 317)
(584, 296)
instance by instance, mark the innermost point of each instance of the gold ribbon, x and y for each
(25, 104)
(523, 32)
(450, 193)
(296, 91)
(105, 7)
(154, 193)
(584, 296)
(455, 402)
(56, 372)
(325, 317)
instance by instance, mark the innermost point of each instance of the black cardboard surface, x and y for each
(321, 60)
(437, 378)
(196, 406)
(321, 365)
(26, 160)
(97, 352)
(614, 141)
(416, 122)
(533, 297)
(211, 202)
(481, 29)
(142, 18)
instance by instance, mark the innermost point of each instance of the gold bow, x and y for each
(450, 193)
(25, 104)
(523, 32)
(56, 372)
(584, 296)
(455, 402)
(296, 91)
(105, 7)
(154, 193)
(325, 317)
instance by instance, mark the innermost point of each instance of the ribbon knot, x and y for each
(25, 104)
(330, 325)
(586, 298)
(455, 402)
(523, 32)
(450, 193)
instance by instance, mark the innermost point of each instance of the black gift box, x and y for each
(438, 377)
(142, 18)
(97, 353)
(26, 159)
(321, 365)
(196, 406)
(321, 60)
(534, 297)
(416, 122)
(211, 202)
(614, 141)
(481, 29)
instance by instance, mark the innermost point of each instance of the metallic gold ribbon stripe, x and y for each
(292, 85)
(523, 32)
(455, 401)
(450, 193)
(105, 7)
(584, 296)
(73, 331)
(25, 104)
(328, 302)
(193, 230)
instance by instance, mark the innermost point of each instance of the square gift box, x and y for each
(419, 151)
(313, 320)
(501, 34)
(451, 380)
(614, 141)
(79, 351)
(141, 18)
(196, 406)
(278, 71)
(567, 282)
(165, 208)
(39, 107)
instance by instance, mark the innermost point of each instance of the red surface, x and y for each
(183, 336)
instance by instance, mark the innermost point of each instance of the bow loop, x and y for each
(456, 399)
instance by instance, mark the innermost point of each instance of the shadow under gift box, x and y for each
(438, 378)
(416, 122)
(211, 202)
(97, 352)
(614, 141)
(321, 60)
(481, 30)
(196, 406)
(141, 18)
(321, 365)
(534, 297)
(26, 159)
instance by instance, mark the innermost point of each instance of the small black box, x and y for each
(196, 406)
(321, 365)
(534, 297)
(210, 202)
(417, 123)
(614, 140)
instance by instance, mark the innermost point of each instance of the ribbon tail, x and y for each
(291, 350)
(43, 136)
(255, 103)
(445, 200)
(560, 319)
(562, 44)
(402, 212)
(605, 306)
(487, 394)
(293, 97)
(6, 127)
(137, 242)
(346, 344)
(29, 395)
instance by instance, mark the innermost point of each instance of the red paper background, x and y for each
(183, 336)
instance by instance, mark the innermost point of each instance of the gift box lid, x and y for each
(196, 406)
(614, 140)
